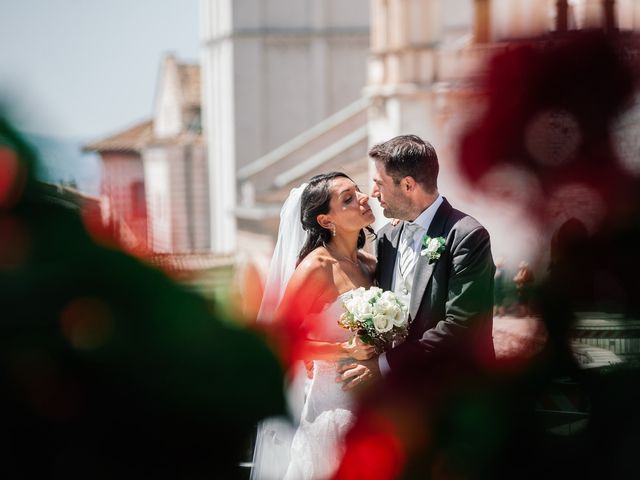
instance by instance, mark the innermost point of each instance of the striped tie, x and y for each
(406, 251)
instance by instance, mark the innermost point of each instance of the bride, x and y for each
(318, 259)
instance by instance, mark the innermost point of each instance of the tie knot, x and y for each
(410, 229)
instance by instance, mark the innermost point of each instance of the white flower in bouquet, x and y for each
(382, 323)
(377, 316)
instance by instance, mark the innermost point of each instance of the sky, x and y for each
(83, 69)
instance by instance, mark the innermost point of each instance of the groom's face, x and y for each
(394, 202)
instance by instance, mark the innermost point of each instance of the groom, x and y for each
(447, 283)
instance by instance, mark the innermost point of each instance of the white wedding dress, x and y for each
(327, 414)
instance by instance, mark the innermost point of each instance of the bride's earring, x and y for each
(333, 229)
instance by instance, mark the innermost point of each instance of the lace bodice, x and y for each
(327, 414)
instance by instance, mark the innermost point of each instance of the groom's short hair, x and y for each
(409, 156)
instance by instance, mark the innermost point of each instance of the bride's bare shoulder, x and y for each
(320, 257)
(313, 277)
(317, 264)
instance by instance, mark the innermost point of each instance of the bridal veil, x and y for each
(274, 435)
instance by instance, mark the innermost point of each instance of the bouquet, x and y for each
(378, 317)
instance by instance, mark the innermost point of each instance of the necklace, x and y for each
(346, 259)
(356, 262)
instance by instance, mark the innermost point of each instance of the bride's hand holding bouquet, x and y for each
(378, 318)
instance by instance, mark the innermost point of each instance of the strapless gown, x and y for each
(328, 411)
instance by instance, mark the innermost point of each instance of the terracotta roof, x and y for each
(139, 136)
(190, 83)
(132, 139)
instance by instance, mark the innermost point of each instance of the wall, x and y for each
(157, 175)
(271, 70)
(119, 172)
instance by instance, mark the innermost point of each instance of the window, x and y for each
(138, 200)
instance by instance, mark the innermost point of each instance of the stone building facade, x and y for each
(272, 70)
(155, 173)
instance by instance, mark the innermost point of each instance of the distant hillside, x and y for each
(63, 161)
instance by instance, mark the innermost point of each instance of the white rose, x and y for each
(401, 317)
(370, 295)
(362, 309)
(349, 303)
(388, 296)
(393, 310)
(382, 306)
(382, 323)
(433, 246)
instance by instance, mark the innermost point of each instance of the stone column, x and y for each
(609, 15)
(423, 22)
(535, 18)
(627, 14)
(592, 14)
(505, 19)
(482, 21)
(379, 25)
(394, 19)
(523, 18)
(562, 15)
(218, 119)
(379, 42)
(396, 30)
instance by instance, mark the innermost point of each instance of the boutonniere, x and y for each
(432, 248)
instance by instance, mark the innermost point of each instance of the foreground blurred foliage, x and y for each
(108, 369)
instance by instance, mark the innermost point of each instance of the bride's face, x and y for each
(349, 207)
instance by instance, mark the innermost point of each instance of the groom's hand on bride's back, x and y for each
(357, 374)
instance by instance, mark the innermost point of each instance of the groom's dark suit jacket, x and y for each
(451, 309)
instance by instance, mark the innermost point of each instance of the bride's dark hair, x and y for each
(315, 201)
